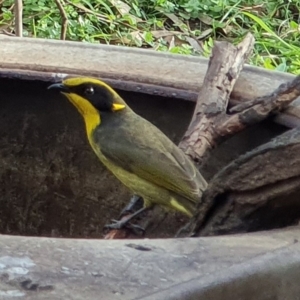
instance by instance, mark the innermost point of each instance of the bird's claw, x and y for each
(117, 224)
(135, 203)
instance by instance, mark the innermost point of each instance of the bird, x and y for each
(139, 154)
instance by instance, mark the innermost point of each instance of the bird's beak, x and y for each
(59, 86)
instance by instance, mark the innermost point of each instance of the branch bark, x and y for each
(259, 190)
(224, 68)
(254, 111)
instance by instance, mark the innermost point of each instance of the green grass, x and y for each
(178, 26)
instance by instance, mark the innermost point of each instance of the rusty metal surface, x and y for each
(131, 86)
(43, 268)
(126, 64)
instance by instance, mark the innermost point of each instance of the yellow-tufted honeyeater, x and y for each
(143, 158)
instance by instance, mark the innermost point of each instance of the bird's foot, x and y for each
(119, 224)
(135, 204)
(125, 222)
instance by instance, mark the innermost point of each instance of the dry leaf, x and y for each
(172, 42)
(227, 29)
(206, 19)
(178, 22)
(124, 9)
(131, 38)
(204, 34)
(194, 43)
(259, 9)
(163, 33)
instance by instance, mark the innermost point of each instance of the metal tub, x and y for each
(56, 196)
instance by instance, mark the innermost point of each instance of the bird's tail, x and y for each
(183, 205)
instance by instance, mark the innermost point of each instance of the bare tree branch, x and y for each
(254, 111)
(224, 68)
(279, 98)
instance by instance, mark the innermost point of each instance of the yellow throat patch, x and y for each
(90, 114)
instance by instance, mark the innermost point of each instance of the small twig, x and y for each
(18, 18)
(64, 19)
(285, 93)
(254, 111)
(3, 31)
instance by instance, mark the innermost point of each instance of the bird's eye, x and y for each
(89, 91)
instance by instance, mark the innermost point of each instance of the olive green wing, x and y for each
(152, 156)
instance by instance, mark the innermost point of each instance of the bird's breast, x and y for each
(135, 183)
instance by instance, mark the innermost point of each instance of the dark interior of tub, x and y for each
(52, 184)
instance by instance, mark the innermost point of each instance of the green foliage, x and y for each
(178, 26)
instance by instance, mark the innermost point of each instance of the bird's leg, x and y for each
(118, 224)
(136, 202)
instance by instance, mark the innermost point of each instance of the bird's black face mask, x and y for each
(97, 93)
(98, 96)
